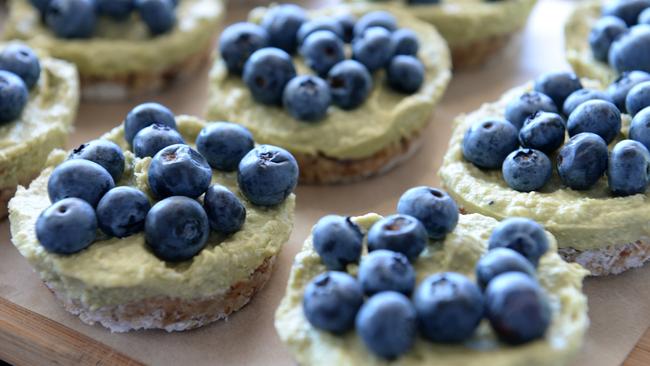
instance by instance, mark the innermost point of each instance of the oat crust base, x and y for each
(476, 53)
(611, 260)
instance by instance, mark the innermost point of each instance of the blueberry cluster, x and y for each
(77, 18)
(621, 37)
(85, 195)
(534, 128)
(386, 307)
(261, 54)
(20, 70)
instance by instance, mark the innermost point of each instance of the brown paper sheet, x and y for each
(619, 306)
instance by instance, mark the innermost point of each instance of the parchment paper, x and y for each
(619, 306)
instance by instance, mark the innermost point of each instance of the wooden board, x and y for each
(640, 355)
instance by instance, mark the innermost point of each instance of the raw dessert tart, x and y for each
(346, 144)
(135, 282)
(43, 125)
(121, 58)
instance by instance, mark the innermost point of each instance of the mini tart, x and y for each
(122, 60)
(459, 252)
(43, 126)
(122, 285)
(346, 145)
(605, 234)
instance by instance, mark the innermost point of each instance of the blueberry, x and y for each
(331, 302)
(638, 98)
(267, 175)
(71, 18)
(385, 270)
(41, 5)
(307, 98)
(604, 32)
(644, 17)
(627, 10)
(405, 74)
(13, 96)
(580, 96)
(372, 48)
(144, 115)
(158, 15)
(116, 9)
(22, 61)
(527, 170)
(517, 308)
(266, 73)
(282, 23)
(596, 116)
(179, 170)
(103, 152)
(543, 131)
(322, 50)
(619, 89)
(350, 84)
(67, 227)
(520, 108)
(629, 168)
(501, 260)
(640, 127)
(378, 18)
(631, 51)
(320, 24)
(338, 241)
(404, 42)
(225, 211)
(435, 209)
(238, 42)
(449, 307)
(154, 138)
(558, 85)
(122, 211)
(79, 178)
(387, 324)
(400, 233)
(582, 161)
(347, 22)
(224, 144)
(487, 143)
(176, 229)
(522, 235)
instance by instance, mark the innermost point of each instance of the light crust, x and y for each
(611, 260)
(477, 53)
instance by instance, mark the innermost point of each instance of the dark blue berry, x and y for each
(487, 143)
(583, 95)
(627, 10)
(331, 302)
(604, 32)
(629, 168)
(238, 42)
(372, 48)
(378, 18)
(320, 24)
(22, 61)
(543, 131)
(640, 127)
(582, 161)
(103, 152)
(596, 116)
(158, 15)
(71, 18)
(522, 235)
(13, 96)
(638, 98)
(225, 211)
(527, 170)
(116, 9)
(122, 211)
(558, 85)
(520, 108)
(435, 209)
(266, 73)
(385, 270)
(282, 23)
(267, 175)
(631, 51)
(322, 50)
(145, 115)
(179, 170)
(67, 227)
(307, 98)
(41, 5)
(619, 89)
(79, 178)
(347, 22)
(224, 144)
(405, 74)
(501, 260)
(404, 42)
(400, 233)
(154, 138)
(350, 84)
(338, 241)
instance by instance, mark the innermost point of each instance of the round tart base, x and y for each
(477, 53)
(612, 260)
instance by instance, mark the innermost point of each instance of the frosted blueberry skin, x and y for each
(71, 18)
(158, 15)
(640, 127)
(582, 161)
(520, 108)
(144, 115)
(378, 18)
(282, 23)
(596, 116)
(22, 61)
(399, 233)
(13, 96)
(67, 227)
(224, 144)
(628, 171)
(267, 175)
(626, 10)
(122, 211)
(372, 48)
(179, 170)
(527, 170)
(487, 143)
(79, 178)
(266, 73)
(307, 98)
(225, 211)
(154, 138)
(501, 260)
(619, 89)
(638, 98)
(103, 152)
(238, 42)
(522, 235)
(350, 84)
(543, 131)
(558, 85)
(583, 95)
(386, 270)
(435, 209)
(338, 241)
(631, 51)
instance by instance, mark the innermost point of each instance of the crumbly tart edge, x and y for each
(478, 52)
(171, 314)
(610, 260)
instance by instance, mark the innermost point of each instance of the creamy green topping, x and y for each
(459, 252)
(386, 116)
(117, 271)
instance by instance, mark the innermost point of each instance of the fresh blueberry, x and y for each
(322, 50)
(116, 9)
(350, 84)
(631, 51)
(22, 61)
(449, 307)
(67, 227)
(267, 175)
(122, 211)
(619, 89)
(282, 23)
(435, 209)
(103, 152)
(320, 24)
(543, 131)
(71, 18)
(400, 233)
(145, 115)
(158, 15)
(520, 108)
(225, 211)
(405, 74)
(596, 116)
(522, 235)
(604, 32)
(331, 301)
(378, 18)
(307, 98)
(644, 17)
(238, 42)
(517, 308)
(338, 241)
(558, 85)
(629, 168)
(638, 98)
(179, 170)
(385, 270)
(582, 161)
(267, 72)
(580, 96)
(224, 144)
(404, 42)
(41, 5)
(387, 324)
(372, 48)
(487, 143)
(13, 96)
(154, 138)
(527, 170)
(501, 260)
(627, 10)
(79, 178)
(640, 127)
(176, 229)
(347, 22)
